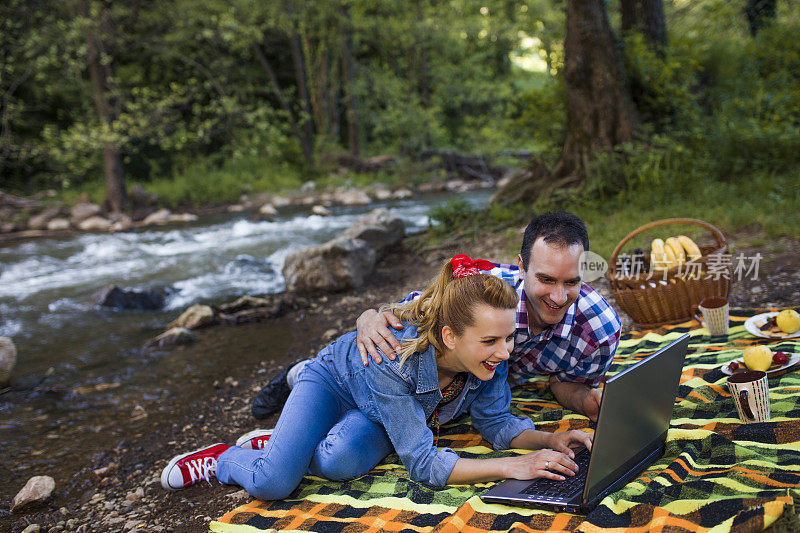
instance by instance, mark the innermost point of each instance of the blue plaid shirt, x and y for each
(579, 349)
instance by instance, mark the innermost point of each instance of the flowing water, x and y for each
(80, 367)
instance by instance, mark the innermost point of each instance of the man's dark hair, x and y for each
(556, 227)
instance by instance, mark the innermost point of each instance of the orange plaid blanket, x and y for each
(716, 473)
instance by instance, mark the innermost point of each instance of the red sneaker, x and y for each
(189, 468)
(255, 440)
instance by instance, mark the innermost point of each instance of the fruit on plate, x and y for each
(788, 320)
(780, 358)
(758, 358)
(674, 244)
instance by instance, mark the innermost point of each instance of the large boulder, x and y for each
(345, 262)
(338, 265)
(380, 228)
(114, 297)
(8, 358)
(82, 211)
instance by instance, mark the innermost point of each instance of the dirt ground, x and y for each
(128, 495)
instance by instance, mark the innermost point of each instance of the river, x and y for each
(79, 367)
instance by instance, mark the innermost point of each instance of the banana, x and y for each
(692, 251)
(658, 258)
(670, 255)
(674, 244)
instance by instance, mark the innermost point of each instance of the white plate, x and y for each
(752, 323)
(794, 358)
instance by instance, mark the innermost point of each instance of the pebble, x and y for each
(33, 528)
(72, 523)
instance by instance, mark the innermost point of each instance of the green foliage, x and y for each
(662, 84)
(206, 184)
(454, 215)
(541, 112)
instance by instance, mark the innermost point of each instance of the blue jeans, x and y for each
(320, 430)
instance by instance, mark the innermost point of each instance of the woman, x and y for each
(456, 344)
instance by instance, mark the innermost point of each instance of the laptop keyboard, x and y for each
(562, 488)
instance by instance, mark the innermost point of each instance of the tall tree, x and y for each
(99, 56)
(759, 13)
(351, 102)
(646, 16)
(600, 112)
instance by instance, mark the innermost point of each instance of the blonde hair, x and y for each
(450, 302)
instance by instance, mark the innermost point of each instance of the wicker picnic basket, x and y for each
(660, 298)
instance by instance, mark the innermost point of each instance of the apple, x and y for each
(758, 358)
(788, 321)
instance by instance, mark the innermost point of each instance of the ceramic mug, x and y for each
(750, 391)
(715, 311)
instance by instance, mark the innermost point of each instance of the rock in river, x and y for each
(8, 358)
(37, 489)
(195, 317)
(345, 262)
(113, 296)
(338, 265)
(172, 337)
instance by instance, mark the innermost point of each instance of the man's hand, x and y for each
(577, 397)
(565, 441)
(373, 334)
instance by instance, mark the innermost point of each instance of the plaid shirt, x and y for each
(580, 348)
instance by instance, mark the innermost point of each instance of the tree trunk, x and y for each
(600, 113)
(646, 16)
(759, 13)
(108, 109)
(302, 91)
(308, 153)
(349, 83)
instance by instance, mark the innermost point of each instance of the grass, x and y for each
(734, 206)
(744, 204)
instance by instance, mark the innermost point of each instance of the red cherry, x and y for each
(733, 366)
(780, 358)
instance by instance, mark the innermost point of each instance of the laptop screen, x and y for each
(627, 429)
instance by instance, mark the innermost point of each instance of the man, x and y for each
(565, 329)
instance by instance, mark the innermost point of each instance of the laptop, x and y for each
(631, 429)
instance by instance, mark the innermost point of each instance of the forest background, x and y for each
(623, 111)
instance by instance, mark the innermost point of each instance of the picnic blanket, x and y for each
(716, 472)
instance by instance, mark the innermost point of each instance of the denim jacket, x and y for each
(402, 398)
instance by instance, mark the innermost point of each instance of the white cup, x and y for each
(750, 391)
(715, 312)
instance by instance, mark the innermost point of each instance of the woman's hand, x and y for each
(541, 463)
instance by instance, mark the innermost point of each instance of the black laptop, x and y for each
(635, 412)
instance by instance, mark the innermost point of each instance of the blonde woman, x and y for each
(455, 348)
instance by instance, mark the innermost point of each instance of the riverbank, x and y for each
(126, 491)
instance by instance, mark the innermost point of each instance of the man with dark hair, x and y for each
(565, 329)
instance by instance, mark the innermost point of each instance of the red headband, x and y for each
(463, 266)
